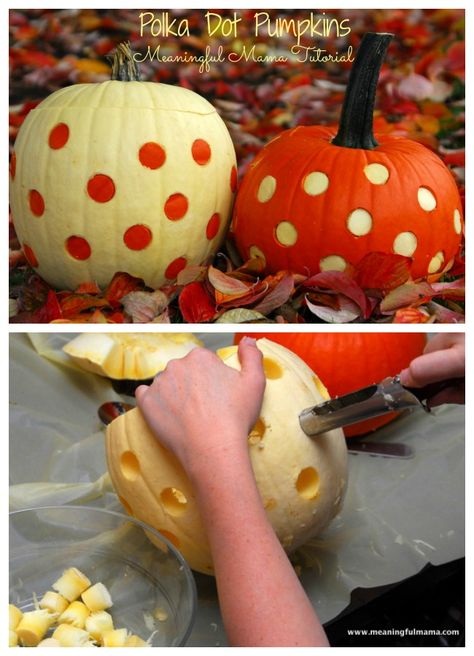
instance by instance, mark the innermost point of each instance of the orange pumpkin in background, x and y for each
(346, 362)
(314, 200)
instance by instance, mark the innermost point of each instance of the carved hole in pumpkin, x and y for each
(58, 137)
(405, 243)
(126, 505)
(426, 199)
(170, 536)
(254, 251)
(457, 222)
(129, 465)
(266, 189)
(332, 263)
(315, 183)
(13, 167)
(377, 174)
(359, 222)
(436, 262)
(321, 388)
(307, 483)
(272, 369)
(286, 234)
(30, 256)
(175, 267)
(174, 501)
(257, 432)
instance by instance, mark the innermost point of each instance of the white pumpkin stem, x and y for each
(124, 66)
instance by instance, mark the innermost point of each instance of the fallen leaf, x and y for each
(143, 307)
(382, 271)
(410, 315)
(225, 284)
(122, 284)
(409, 294)
(341, 283)
(277, 296)
(241, 315)
(347, 311)
(195, 304)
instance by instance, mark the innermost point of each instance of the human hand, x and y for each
(201, 409)
(443, 359)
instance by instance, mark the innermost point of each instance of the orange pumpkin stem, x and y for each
(356, 124)
(124, 66)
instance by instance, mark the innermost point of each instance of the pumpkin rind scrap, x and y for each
(349, 361)
(133, 356)
(301, 481)
(121, 176)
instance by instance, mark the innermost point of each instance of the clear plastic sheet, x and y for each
(398, 514)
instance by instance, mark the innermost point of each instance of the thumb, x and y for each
(139, 392)
(250, 357)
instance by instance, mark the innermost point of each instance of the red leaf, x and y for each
(454, 289)
(277, 296)
(341, 283)
(88, 288)
(382, 271)
(120, 285)
(195, 304)
(50, 311)
(76, 303)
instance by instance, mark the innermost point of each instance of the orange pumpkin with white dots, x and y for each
(123, 175)
(349, 361)
(314, 200)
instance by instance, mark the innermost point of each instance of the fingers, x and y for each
(443, 341)
(251, 359)
(433, 367)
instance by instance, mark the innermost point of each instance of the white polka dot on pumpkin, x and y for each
(436, 262)
(426, 199)
(266, 189)
(457, 222)
(359, 222)
(332, 263)
(254, 251)
(405, 243)
(315, 183)
(286, 233)
(377, 174)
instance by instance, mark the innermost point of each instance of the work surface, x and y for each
(398, 514)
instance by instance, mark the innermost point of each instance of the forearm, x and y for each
(261, 598)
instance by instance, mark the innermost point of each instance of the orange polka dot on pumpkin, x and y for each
(176, 207)
(101, 188)
(36, 202)
(175, 267)
(58, 136)
(78, 247)
(137, 237)
(13, 165)
(30, 255)
(213, 226)
(233, 179)
(201, 151)
(152, 155)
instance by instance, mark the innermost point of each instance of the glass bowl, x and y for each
(152, 587)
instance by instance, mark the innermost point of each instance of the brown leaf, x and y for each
(143, 307)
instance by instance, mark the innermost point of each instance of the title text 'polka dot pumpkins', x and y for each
(314, 200)
(348, 361)
(301, 481)
(122, 175)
